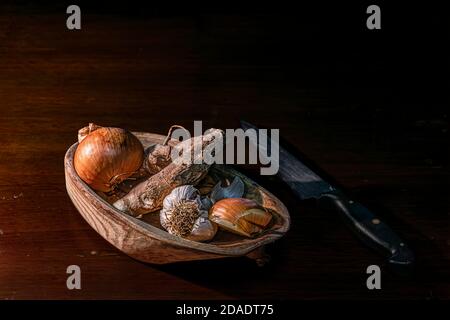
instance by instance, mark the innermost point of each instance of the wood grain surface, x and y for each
(365, 107)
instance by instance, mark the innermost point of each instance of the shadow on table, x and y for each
(318, 251)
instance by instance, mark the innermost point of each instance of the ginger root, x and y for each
(148, 196)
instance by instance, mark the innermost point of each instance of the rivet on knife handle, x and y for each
(370, 229)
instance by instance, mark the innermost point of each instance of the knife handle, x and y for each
(370, 229)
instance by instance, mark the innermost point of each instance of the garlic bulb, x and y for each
(234, 190)
(185, 214)
(241, 216)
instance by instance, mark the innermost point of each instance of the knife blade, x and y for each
(306, 184)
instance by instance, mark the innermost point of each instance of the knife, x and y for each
(307, 184)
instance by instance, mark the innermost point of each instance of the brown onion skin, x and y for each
(229, 208)
(107, 156)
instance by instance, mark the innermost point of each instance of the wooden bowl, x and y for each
(145, 240)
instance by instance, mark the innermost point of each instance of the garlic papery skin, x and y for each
(234, 190)
(203, 229)
(185, 214)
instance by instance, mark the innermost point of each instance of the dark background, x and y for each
(370, 107)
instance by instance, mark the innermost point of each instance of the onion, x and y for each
(240, 215)
(107, 156)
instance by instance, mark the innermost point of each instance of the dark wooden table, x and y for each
(331, 98)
